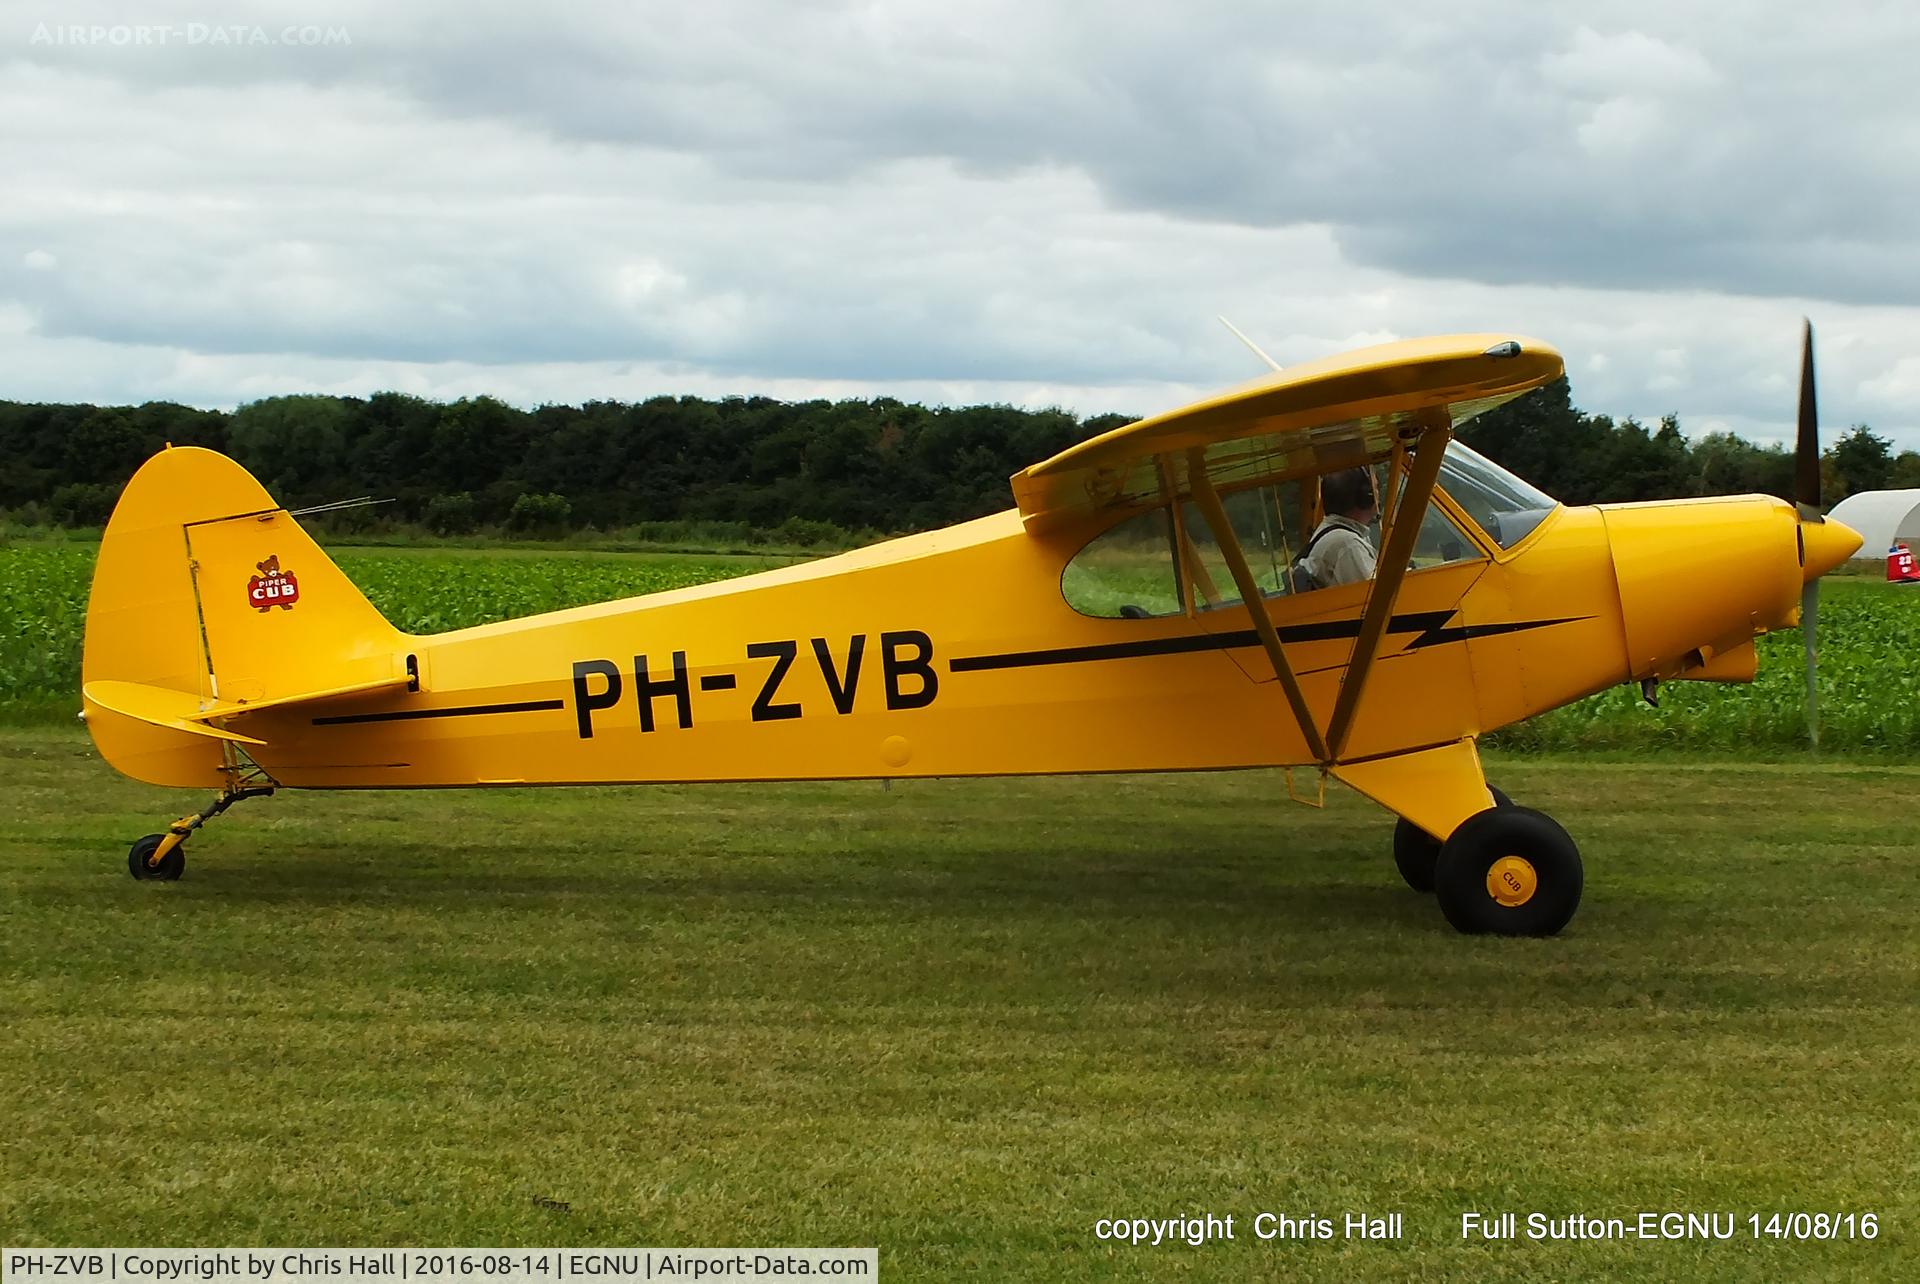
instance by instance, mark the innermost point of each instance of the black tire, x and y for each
(171, 866)
(1416, 852)
(1544, 886)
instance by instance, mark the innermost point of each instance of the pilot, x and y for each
(1340, 552)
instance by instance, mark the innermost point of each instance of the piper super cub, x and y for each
(1140, 609)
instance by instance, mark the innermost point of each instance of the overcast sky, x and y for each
(955, 202)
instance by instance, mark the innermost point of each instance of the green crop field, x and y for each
(43, 600)
(1870, 688)
(961, 1021)
(1869, 645)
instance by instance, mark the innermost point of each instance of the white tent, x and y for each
(1881, 517)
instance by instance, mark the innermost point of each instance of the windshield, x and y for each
(1504, 506)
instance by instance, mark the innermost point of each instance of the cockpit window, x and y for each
(1505, 507)
(1147, 566)
(1128, 572)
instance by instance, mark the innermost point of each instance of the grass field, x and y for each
(960, 1020)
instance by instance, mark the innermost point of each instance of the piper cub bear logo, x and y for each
(273, 587)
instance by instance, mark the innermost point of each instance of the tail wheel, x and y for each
(1509, 871)
(170, 867)
(1416, 851)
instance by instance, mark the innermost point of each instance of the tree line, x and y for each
(808, 469)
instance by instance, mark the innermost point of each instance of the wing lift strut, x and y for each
(1415, 491)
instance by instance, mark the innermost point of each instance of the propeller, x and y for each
(1806, 497)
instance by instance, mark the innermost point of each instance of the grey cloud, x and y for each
(1611, 152)
(996, 196)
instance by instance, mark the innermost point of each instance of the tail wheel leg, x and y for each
(163, 857)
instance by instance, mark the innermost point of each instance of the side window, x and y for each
(1126, 572)
(1440, 541)
(1137, 570)
(1134, 571)
(1266, 520)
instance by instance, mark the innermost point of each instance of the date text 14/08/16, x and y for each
(1671, 1225)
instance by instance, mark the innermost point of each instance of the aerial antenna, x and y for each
(364, 501)
(1271, 363)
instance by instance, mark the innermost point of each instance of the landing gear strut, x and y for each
(1417, 852)
(163, 857)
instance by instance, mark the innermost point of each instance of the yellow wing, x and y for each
(1306, 420)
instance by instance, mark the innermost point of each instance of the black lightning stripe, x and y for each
(1465, 632)
(1430, 625)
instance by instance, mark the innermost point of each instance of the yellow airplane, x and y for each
(1103, 625)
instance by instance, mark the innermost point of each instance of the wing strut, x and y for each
(1191, 570)
(1415, 492)
(1396, 481)
(1216, 514)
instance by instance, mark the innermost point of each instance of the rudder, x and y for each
(210, 594)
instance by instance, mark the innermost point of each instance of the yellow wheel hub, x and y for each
(1512, 881)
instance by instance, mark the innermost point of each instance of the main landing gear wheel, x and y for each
(1509, 871)
(140, 860)
(1416, 851)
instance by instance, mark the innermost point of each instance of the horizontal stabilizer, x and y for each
(233, 708)
(181, 711)
(159, 707)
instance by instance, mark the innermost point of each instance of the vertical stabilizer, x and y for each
(207, 593)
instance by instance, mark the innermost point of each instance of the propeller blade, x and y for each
(1806, 495)
(1809, 623)
(1806, 454)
